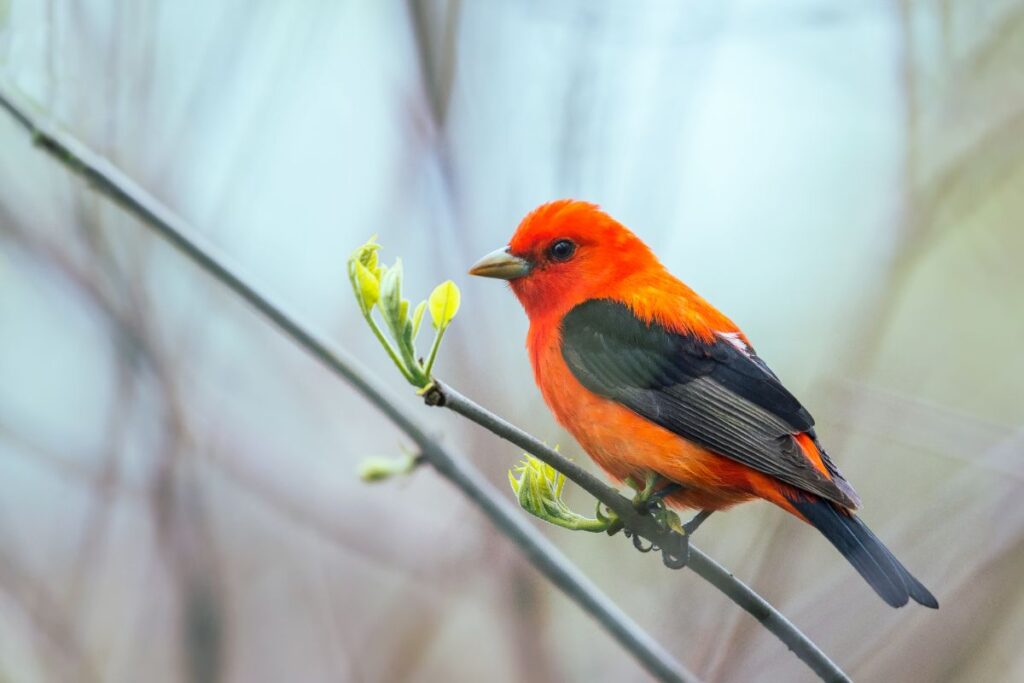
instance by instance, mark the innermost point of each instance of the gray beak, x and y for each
(502, 265)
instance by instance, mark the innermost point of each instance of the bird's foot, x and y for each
(650, 500)
(674, 556)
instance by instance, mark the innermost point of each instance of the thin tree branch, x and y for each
(540, 552)
(111, 182)
(645, 526)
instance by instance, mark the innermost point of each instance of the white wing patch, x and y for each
(735, 339)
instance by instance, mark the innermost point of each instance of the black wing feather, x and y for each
(715, 394)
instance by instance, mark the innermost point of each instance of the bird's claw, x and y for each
(650, 500)
(666, 519)
(677, 557)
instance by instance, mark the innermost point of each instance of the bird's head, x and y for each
(565, 252)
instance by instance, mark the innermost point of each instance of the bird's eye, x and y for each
(562, 250)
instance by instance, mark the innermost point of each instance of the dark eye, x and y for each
(562, 250)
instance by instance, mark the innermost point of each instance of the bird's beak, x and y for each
(501, 264)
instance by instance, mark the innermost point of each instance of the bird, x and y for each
(656, 384)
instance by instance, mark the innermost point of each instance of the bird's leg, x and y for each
(650, 481)
(650, 500)
(666, 490)
(646, 501)
(647, 498)
(642, 493)
(697, 520)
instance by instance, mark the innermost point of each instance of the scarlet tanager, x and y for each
(653, 380)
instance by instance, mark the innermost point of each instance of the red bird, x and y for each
(651, 379)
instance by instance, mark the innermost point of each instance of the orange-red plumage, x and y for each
(651, 378)
(620, 266)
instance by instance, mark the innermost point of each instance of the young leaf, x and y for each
(391, 296)
(417, 318)
(407, 336)
(403, 310)
(367, 254)
(513, 481)
(369, 286)
(375, 469)
(444, 304)
(539, 486)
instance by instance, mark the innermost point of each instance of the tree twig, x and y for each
(540, 552)
(111, 182)
(645, 526)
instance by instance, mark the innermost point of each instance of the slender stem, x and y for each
(420, 378)
(382, 338)
(433, 350)
(507, 518)
(596, 526)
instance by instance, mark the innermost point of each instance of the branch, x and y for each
(540, 552)
(646, 526)
(111, 182)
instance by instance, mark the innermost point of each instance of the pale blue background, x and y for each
(177, 489)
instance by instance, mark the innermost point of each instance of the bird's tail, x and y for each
(865, 552)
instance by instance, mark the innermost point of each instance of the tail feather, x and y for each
(865, 552)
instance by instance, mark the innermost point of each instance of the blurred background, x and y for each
(178, 498)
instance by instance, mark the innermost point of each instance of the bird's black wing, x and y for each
(717, 394)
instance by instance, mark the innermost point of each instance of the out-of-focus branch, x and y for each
(60, 648)
(110, 181)
(437, 61)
